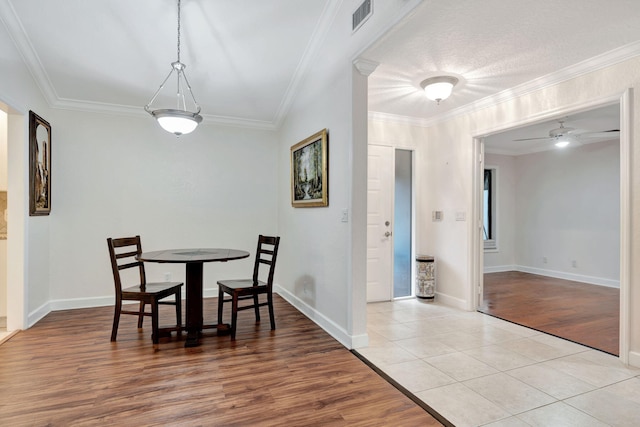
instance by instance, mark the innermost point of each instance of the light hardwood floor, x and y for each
(64, 371)
(580, 312)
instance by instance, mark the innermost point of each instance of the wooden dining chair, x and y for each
(123, 252)
(250, 289)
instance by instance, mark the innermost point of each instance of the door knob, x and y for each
(387, 223)
(387, 234)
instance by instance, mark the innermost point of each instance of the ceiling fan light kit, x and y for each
(179, 120)
(439, 88)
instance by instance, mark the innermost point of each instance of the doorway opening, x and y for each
(548, 207)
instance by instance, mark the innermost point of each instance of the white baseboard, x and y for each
(451, 301)
(634, 359)
(349, 341)
(555, 274)
(37, 315)
(500, 268)
(70, 304)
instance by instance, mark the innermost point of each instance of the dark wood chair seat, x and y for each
(250, 289)
(123, 253)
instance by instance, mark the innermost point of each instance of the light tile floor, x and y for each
(476, 370)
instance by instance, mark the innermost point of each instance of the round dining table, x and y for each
(194, 260)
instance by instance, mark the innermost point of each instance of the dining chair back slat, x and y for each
(123, 253)
(250, 289)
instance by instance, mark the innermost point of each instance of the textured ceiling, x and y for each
(492, 46)
(245, 58)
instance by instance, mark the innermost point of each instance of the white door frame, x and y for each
(624, 99)
(17, 205)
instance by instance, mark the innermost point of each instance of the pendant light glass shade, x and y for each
(438, 88)
(179, 120)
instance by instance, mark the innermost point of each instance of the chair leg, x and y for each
(141, 315)
(272, 318)
(234, 315)
(116, 320)
(179, 312)
(155, 337)
(220, 304)
(256, 308)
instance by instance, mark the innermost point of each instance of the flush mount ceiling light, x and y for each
(177, 120)
(438, 88)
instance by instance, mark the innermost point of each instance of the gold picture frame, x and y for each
(39, 165)
(309, 171)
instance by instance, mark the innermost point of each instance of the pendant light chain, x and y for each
(178, 30)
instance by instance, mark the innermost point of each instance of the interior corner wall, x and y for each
(568, 213)
(561, 206)
(28, 244)
(325, 256)
(117, 176)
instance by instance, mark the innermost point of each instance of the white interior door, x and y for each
(379, 223)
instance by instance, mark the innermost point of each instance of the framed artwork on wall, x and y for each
(39, 165)
(309, 168)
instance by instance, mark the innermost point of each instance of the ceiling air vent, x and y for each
(362, 13)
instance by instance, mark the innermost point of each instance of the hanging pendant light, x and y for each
(177, 120)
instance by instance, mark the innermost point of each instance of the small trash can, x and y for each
(425, 277)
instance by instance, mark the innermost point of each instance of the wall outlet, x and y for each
(167, 277)
(437, 215)
(544, 260)
(574, 263)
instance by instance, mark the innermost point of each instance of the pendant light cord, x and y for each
(178, 30)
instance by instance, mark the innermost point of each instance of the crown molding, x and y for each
(590, 65)
(137, 111)
(311, 52)
(23, 44)
(365, 67)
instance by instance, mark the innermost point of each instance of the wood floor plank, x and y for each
(64, 371)
(580, 312)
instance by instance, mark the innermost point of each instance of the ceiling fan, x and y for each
(563, 132)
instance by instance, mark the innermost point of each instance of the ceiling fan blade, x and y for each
(602, 134)
(542, 138)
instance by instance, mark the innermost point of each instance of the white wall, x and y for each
(118, 176)
(568, 209)
(321, 253)
(28, 247)
(562, 205)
